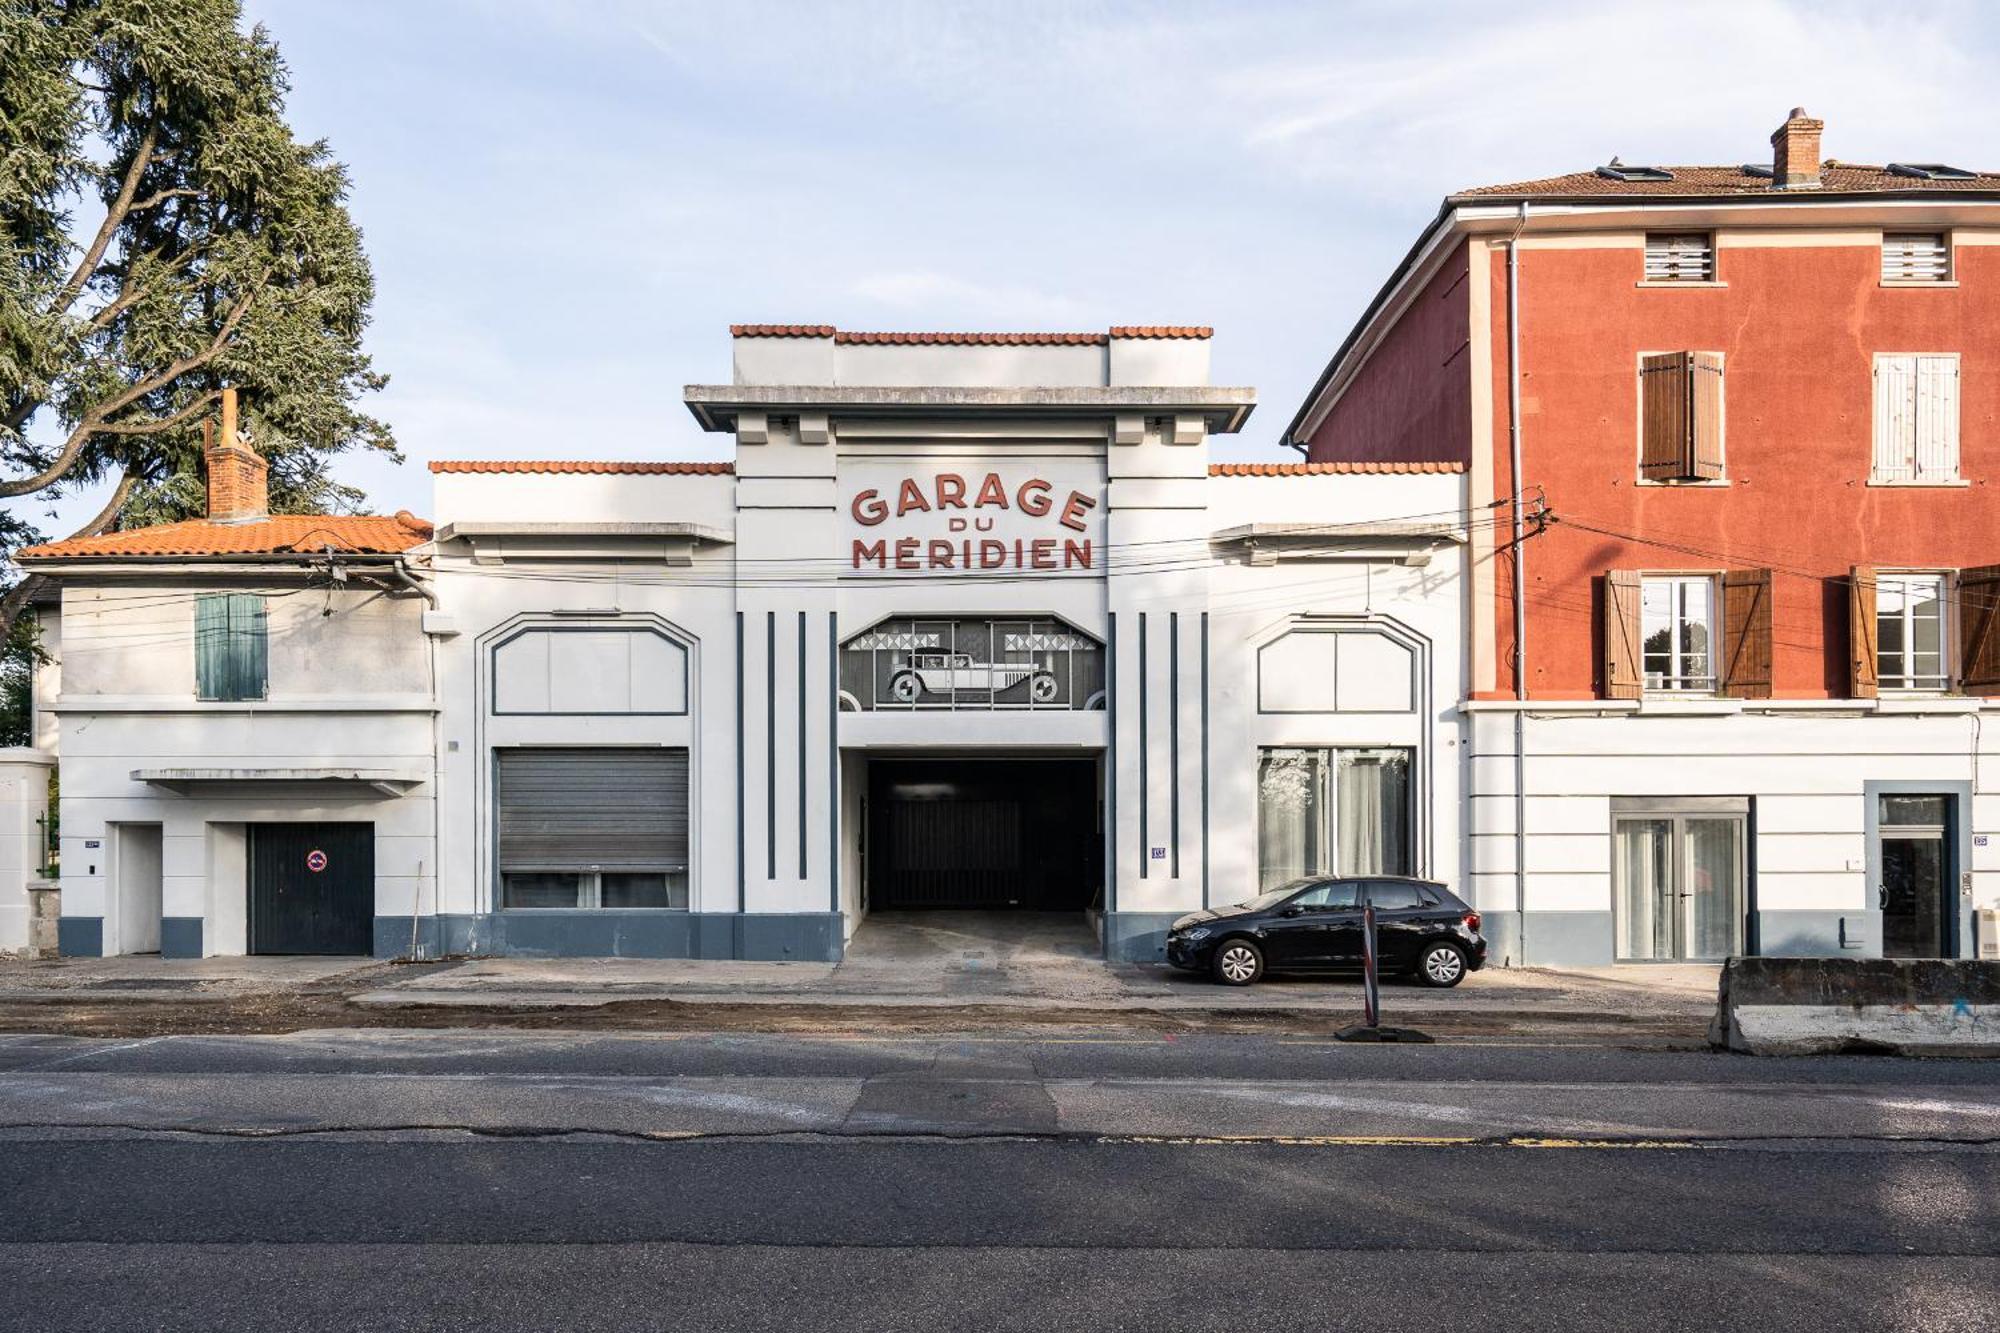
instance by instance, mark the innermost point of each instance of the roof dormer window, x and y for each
(1931, 171)
(1618, 171)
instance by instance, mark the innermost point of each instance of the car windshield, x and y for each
(1277, 895)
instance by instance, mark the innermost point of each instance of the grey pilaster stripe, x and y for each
(802, 746)
(1111, 764)
(1204, 759)
(833, 805)
(1174, 739)
(1145, 785)
(770, 745)
(742, 849)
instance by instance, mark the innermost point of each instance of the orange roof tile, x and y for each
(781, 330)
(935, 338)
(1162, 331)
(1835, 178)
(1329, 468)
(281, 534)
(977, 339)
(583, 465)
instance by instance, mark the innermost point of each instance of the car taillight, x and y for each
(1471, 922)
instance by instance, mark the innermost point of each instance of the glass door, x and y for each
(1645, 888)
(1679, 890)
(1913, 893)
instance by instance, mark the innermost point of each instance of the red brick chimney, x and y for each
(1795, 152)
(238, 491)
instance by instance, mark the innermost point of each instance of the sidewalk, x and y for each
(931, 973)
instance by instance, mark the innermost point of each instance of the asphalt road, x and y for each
(484, 1181)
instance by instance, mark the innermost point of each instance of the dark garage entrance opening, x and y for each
(312, 888)
(983, 834)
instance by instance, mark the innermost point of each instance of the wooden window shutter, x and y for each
(1680, 414)
(231, 645)
(1746, 634)
(1976, 608)
(1864, 669)
(1705, 416)
(1663, 416)
(1936, 448)
(1622, 675)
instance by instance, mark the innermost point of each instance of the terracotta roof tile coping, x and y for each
(1835, 178)
(1336, 468)
(281, 534)
(577, 465)
(937, 338)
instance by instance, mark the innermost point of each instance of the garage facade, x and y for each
(961, 622)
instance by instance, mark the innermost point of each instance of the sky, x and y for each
(567, 202)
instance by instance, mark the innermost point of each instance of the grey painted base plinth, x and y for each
(1135, 937)
(80, 936)
(1817, 934)
(180, 937)
(1547, 939)
(751, 937)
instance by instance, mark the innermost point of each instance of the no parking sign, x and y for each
(315, 860)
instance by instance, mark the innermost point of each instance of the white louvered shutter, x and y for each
(1895, 418)
(1937, 418)
(1916, 257)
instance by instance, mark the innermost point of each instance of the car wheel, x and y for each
(904, 687)
(1237, 963)
(1042, 689)
(1441, 965)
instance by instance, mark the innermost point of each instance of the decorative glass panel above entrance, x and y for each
(958, 665)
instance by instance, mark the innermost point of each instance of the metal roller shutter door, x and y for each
(576, 808)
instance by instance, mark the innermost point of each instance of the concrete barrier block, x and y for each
(1804, 1006)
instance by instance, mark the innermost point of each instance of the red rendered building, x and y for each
(1735, 432)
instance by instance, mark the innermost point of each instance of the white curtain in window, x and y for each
(1291, 815)
(1374, 815)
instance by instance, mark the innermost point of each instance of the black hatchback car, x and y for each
(1422, 930)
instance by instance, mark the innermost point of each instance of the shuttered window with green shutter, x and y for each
(230, 652)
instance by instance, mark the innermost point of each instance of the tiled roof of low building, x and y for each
(601, 468)
(781, 330)
(975, 339)
(281, 534)
(1329, 468)
(942, 338)
(1835, 178)
(1162, 331)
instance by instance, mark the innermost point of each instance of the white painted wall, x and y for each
(349, 687)
(24, 799)
(1803, 765)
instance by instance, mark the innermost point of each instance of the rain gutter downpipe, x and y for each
(1520, 588)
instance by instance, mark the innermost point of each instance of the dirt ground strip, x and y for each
(91, 1016)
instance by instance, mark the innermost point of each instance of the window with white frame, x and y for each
(1677, 629)
(1916, 418)
(1680, 257)
(1331, 811)
(1916, 257)
(1910, 632)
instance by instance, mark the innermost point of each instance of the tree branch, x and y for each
(127, 479)
(93, 420)
(154, 427)
(114, 217)
(17, 597)
(155, 200)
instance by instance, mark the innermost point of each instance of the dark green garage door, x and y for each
(312, 888)
(983, 833)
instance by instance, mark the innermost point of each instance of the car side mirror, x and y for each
(1293, 910)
